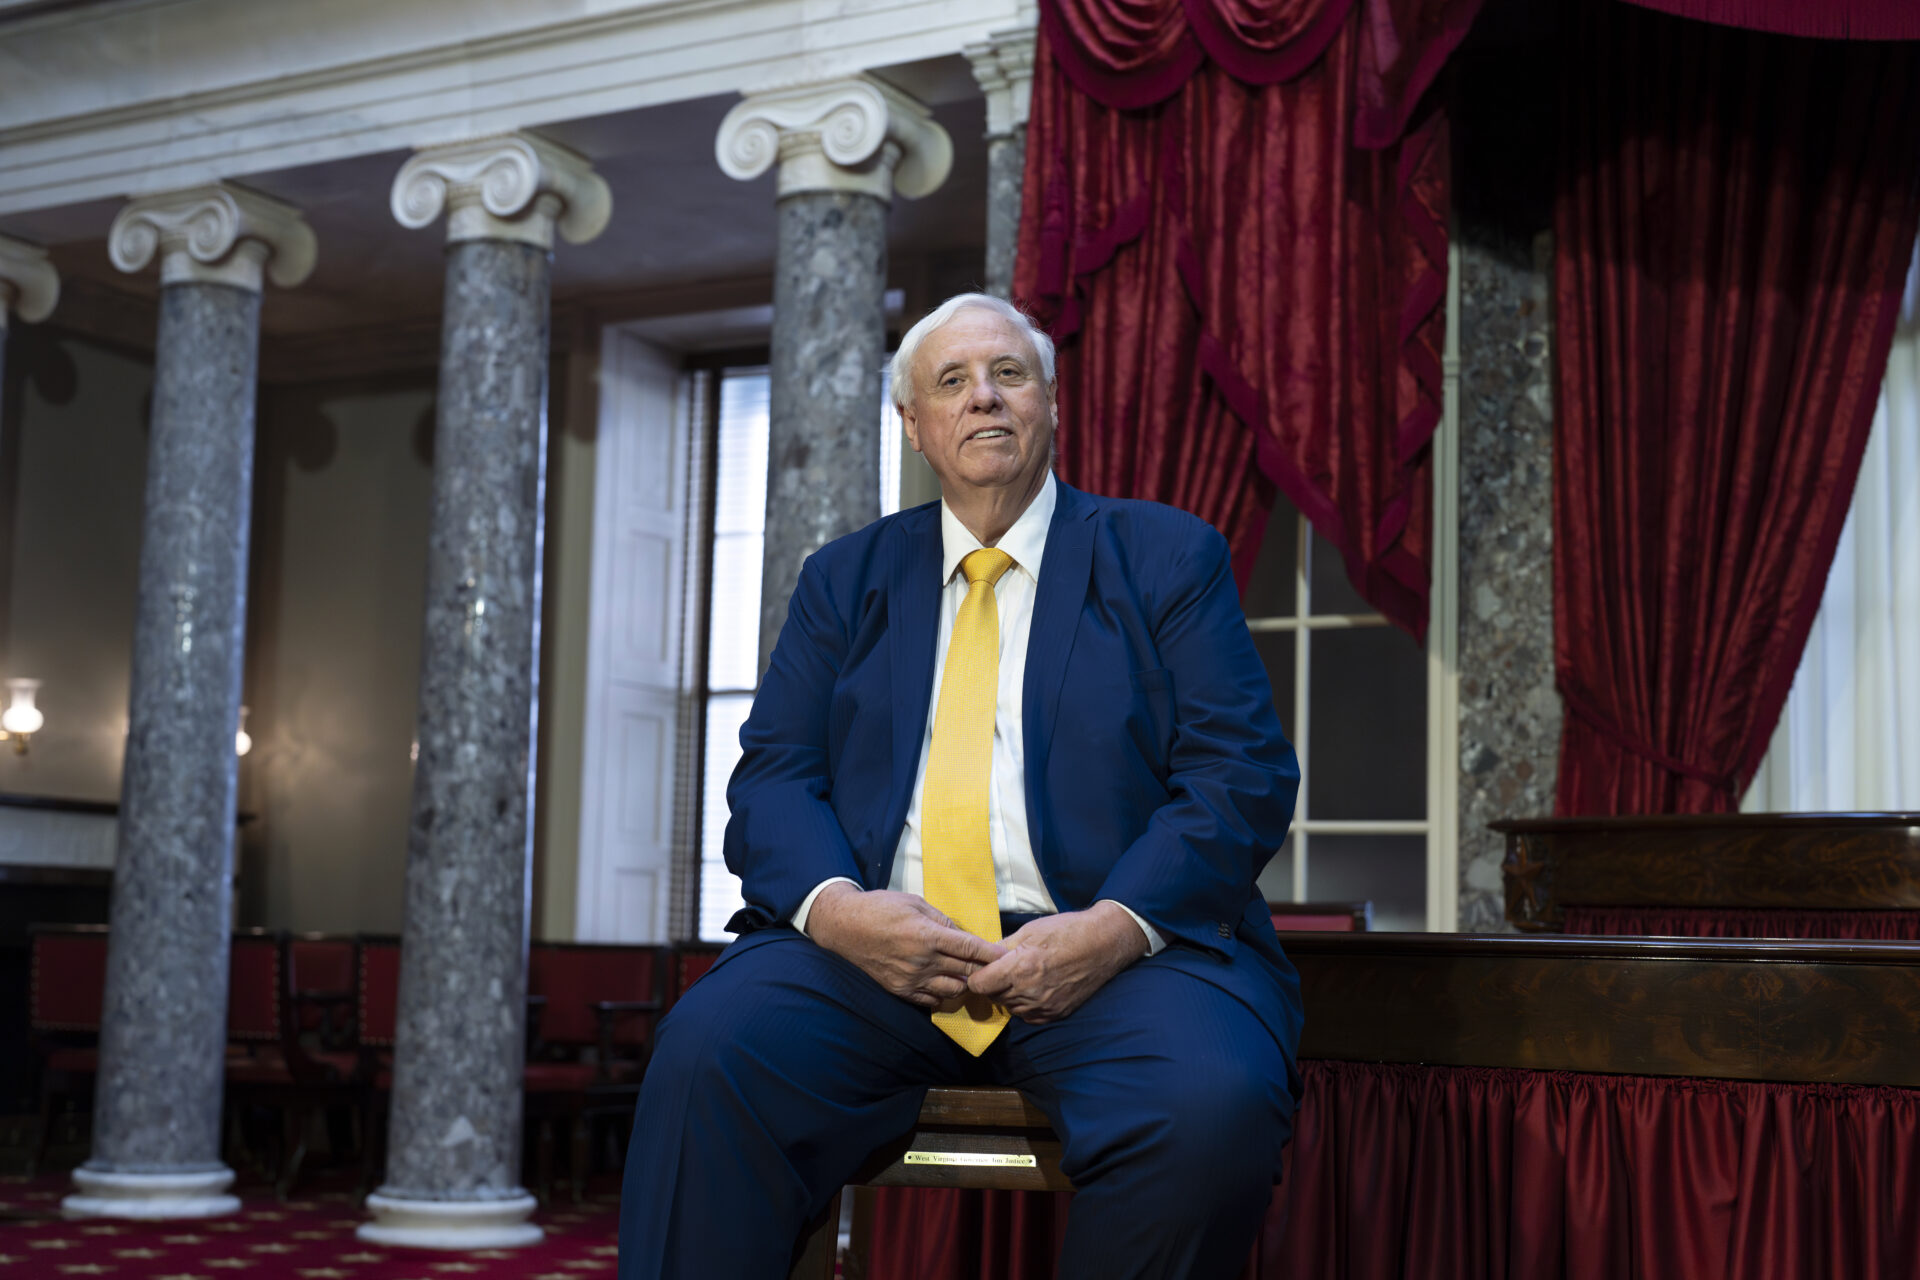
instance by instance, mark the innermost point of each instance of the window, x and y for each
(1351, 691)
(733, 614)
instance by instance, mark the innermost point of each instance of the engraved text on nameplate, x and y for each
(994, 1158)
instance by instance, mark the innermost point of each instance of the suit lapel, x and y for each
(913, 607)
(1057, 605)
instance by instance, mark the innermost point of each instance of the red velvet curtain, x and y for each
(1731, 922)
(1234, 223)
(1437, 1173)
(1734, 220)
(1440, 1173)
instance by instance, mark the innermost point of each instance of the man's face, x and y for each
(979, 412)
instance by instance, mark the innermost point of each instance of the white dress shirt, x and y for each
(1015, 869)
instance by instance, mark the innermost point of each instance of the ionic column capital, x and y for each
(28, 282)
(1003, 64)
(512, 186)
(220, 234)
(859, 134)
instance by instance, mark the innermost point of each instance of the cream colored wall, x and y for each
(563, 702)
(333, 673)
(77, 494)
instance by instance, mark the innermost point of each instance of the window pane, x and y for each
(1276, 650)
(739, 519)
(719, 887)
(733, 640)
(1388, 871)
(892, 440)
(740, 470)
(1332, 591)
(1369, 716)
(1276, 878)
(1269, 592)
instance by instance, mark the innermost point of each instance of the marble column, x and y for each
(28, 285)
(453, 1163)
(1509, 708)
(843, 149)
(1003, 64)
(156, 1112)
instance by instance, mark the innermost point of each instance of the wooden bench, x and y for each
(1764, 861)
(1784, 1011)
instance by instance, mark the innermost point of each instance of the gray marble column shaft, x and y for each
(1006, 172)
(455, 1129)
(1509, 708)
(829, 339)
(163, 1029)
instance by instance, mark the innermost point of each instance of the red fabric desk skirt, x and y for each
(1446, 1173)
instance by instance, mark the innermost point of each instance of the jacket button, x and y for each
(1226, 930)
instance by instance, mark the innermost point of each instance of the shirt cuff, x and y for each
(806, 903)
(1155, 943)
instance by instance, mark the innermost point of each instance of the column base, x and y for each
(102, 1194)
(450, 1224)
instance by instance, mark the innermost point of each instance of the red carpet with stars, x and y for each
(307, 1238)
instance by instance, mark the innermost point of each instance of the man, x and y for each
(1022, 707)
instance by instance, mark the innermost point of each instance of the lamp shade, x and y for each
(21, 716)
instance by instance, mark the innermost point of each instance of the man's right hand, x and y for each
(900, 941)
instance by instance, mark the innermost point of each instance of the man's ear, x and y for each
(912, 425)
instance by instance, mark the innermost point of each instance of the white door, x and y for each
(634, 643)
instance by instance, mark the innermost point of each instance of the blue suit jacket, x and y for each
(1156, 770)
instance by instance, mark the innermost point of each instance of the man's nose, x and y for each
(985, 394)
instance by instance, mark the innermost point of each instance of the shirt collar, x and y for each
(1026, 541)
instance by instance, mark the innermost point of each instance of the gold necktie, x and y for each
(956, 857)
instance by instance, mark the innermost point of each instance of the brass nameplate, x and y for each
(993, 1158)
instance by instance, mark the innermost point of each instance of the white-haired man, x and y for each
(1003, 795)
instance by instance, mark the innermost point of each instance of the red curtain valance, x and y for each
(1828, 19)
(1128, 54)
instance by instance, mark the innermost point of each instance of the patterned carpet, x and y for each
(308, 1238)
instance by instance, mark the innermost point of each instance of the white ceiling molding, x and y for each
(115, 100)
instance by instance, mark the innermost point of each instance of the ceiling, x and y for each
(678, 221)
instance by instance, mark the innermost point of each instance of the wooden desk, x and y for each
(1822, 861)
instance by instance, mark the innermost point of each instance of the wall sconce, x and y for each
(242, 740)
(21, 720)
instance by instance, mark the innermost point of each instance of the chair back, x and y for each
(690, 961)
(321, 965)
(1322, 917)
(379, 1007)
(253, 986)
(573, 977)
(69, 976)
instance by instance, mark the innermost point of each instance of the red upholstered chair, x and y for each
(322, 973)
(690, 960)
(280, 1055)
(253, 992)
(1322, 917)
(591, 1014)
(67, 990)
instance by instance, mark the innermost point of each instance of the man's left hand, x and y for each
(1054, 963)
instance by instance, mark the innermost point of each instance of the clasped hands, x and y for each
(1042, 972)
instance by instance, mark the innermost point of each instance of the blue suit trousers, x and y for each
(779, 1072)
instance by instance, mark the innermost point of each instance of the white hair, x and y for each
(900, 371)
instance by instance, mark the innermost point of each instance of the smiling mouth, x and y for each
(991, 433)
